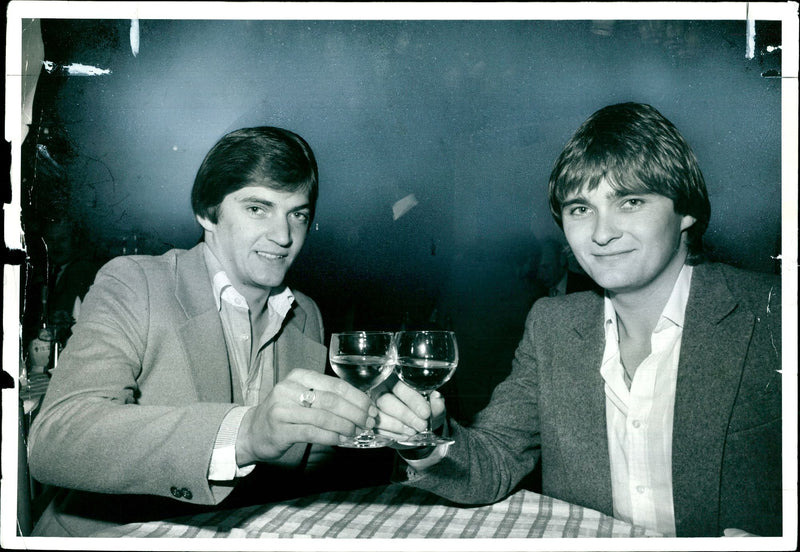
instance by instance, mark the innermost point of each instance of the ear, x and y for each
(207, 225)
(687, 221)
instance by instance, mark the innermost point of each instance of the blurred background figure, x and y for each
(56, 285)
(559, 272)
(71, 272)
(554, 271)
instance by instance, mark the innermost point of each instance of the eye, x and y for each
(255, 210)
(577, 210)
(632, 202)
(301, 217)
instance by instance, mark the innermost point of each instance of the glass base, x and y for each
(367, 440)
(425, 440)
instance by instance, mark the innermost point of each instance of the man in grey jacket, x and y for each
(657, 402)
(196, 377)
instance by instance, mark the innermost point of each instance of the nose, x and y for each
(279, 231)
(605, 229)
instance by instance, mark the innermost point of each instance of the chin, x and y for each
(610, 283)
(272, 283)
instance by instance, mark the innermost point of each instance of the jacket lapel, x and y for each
(295, 350)
(204, 342)
(201, 333)
(715, 339)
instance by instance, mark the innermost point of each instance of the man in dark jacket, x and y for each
(657, 402)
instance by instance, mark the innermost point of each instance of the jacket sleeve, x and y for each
(109, 423)
(501, 446)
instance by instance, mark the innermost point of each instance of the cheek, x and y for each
(667, 234)
(244, 232)
(299, 237)
(575, 236)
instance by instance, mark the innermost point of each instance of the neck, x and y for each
(256, 297)
(638, 311)
(258, 305)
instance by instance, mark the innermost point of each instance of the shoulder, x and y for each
(308, 316)
(566, 305)
(127, 267)
(306, 303)
(581, 310)
(146, 279)
(740, 277)
(757, 291)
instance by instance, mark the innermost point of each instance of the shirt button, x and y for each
(636, 424)
(640, 489)
(244, 337)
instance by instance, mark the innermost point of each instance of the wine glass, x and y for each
(363, 359)
(425, 361)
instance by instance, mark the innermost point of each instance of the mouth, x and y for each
(611, 255)
(271, 256)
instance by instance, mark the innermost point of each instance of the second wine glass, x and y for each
(363, 359)
(425, 361)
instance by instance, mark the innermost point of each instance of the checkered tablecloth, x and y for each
(392, 512)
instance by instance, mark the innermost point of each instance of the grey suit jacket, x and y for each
(726, 459)
(142, 387)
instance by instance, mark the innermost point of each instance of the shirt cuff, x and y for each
(223, 466)
(418, 465)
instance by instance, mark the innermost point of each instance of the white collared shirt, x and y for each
(639, 420)
(252, 361)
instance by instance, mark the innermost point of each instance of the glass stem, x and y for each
(368, 430)
(430, 417)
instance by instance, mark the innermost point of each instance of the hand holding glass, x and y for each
(364, 360)
(425, 361)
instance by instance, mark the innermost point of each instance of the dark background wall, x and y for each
(468, 116)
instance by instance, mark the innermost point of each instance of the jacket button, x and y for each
(181, 493)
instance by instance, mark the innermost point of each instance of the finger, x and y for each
(436, 404)
(324, 409)
(396, 416)
(395, 436)
(311, 433)
(298, 421)
(336, 386)
(394, 428)
(335, 404)
(438, 409)
(415, 401)
(386, 385)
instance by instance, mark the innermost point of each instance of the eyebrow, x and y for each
(268, 203)
(573, 201)
(613, 194)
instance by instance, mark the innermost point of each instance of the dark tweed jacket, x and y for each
(726, 460)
